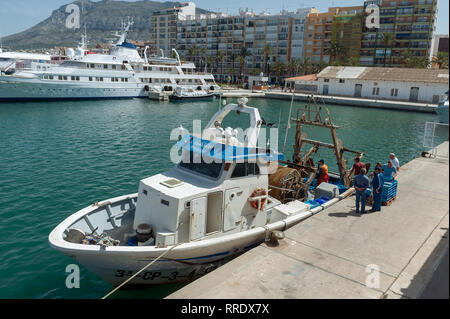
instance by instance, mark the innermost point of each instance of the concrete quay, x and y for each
(337, 254)
(361, 102)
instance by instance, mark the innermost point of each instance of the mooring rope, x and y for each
(136, 274)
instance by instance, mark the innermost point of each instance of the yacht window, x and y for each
(50, 77)
(90, 78)
(208, 169)
(105, 66)
(113, 66)
(245, 169)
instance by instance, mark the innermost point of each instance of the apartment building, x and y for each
(344, 21)
(347, 33)
(410, 26)
(232, 45)
(164, 25)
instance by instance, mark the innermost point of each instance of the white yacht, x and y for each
(122, 73)
(186, 221)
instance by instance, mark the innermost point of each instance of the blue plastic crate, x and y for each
(312, 203)
(322, 200)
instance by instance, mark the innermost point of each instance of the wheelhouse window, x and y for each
(245, 169)
(201, 167)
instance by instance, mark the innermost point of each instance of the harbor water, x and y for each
(57, 158)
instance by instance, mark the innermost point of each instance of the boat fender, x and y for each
(147, 88)
(257, 193)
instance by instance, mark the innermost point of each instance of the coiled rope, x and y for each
(136, 274)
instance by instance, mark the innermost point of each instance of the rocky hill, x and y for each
(102, 19)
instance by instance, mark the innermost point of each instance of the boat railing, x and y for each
(429, 140)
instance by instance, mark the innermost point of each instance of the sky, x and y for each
(19, 15)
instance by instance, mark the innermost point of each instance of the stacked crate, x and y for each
(389, 192)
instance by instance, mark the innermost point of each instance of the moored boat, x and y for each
(183, 93)
(210, 207)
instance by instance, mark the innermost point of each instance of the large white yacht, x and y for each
(122, 73)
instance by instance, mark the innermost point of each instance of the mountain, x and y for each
(102, 19)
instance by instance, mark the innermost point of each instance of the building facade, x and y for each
(402, 84)
(335, 25)
(248, 43)
(164, 23)
(405, 26)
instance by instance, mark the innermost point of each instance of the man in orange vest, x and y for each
(323, 173)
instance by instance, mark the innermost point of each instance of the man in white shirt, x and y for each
(394, 161)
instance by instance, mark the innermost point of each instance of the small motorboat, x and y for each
(442, 109)
(190, 93)
(209, 208)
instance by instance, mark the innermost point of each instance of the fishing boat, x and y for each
(190, 94)
(442, 109)
(209, 208)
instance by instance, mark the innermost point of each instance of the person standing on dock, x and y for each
(377, 188)
(389, 172)
(357, 166)
(395, 161)
(361, 183)
(323, 176)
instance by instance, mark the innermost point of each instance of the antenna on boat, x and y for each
(288, 123)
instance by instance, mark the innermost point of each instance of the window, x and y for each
(90, 78)
(341, 81)
(113, 66)
(326, 80)
(208, 169)
(245, 169)
(394, 92)
(376, 91)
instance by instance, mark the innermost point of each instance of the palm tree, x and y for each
(293, 66)
(219, 59)
(267, 50)
(304, 66)
(441, 60)
(353, 61)
(242, 55)
(192, 52)
(279, 67)
(387, 42)
(413, 61)
(337, 52)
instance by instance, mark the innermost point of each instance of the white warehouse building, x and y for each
(402, 84)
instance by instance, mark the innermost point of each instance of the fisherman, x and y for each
(395, 161)
(323, 173)
(377, 189)
(357, 166)
(389, 172)
(361, 183)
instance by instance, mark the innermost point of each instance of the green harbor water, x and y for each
(57, 158)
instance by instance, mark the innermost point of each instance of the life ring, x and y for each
(256, 193)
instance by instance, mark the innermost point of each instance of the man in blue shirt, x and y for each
(361, 183)
(389, 172)
(377, 189)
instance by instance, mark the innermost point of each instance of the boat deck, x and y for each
(334, 253)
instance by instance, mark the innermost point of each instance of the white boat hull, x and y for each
(176, 267)
(37, 90)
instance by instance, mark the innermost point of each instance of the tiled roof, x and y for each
(385, 74)
(309, 77)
